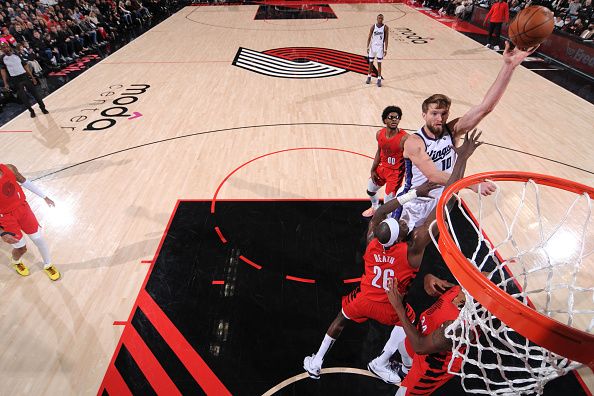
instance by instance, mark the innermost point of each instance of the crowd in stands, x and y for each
(50, 34)
(571, 16)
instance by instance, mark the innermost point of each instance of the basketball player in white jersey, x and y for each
(428, 153)
(377, 47)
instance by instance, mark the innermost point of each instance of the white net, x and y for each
(539, 254)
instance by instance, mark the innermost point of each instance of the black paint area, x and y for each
(255, 330)
(305, 11)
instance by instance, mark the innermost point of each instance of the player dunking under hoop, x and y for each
(429, 154)
(17, 218)
(377, 47)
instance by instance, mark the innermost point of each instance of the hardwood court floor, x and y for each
(200, 119)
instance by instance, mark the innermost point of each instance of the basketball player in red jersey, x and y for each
(17, 218)
(431, 351)
(388, 164)
(388, 256)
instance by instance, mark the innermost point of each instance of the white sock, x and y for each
(13, 261)
(379, 77)
(407, 361)
(391, 346)
(374, 201)
(369, 75)
(41, 244)
(326, 345)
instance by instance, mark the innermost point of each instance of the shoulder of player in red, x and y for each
(379, 133)
(11, 193)
(443, 310)
(7, 172)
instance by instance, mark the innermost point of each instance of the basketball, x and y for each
(531, 26)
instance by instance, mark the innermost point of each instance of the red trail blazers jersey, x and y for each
(382, 264)
(11, 193)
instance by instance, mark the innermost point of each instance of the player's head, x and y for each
(390, 231)
(380, 19)
(436, 110)
(391, 116)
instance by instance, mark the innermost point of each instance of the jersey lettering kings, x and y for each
(440, 154)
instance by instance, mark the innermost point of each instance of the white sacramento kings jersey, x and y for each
(377, 38)
(441, 151)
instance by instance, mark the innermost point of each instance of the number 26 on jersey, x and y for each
(383, 275)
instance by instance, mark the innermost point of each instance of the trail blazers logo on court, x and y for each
(301, 62)
(111, 106)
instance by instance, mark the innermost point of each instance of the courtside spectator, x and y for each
(497, 16)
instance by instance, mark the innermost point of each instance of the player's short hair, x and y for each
(442, 102)
(391, 109)
(380, 15)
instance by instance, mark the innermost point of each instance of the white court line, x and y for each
(331, 370)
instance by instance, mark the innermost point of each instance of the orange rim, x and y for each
(564, 340)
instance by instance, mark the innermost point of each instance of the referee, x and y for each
(21, 76)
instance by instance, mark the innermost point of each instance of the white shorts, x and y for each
(376, 52)
(415, 212)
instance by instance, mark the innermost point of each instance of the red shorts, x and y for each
(358, 308)
(428, 373)
(20, 220)
(389, 177)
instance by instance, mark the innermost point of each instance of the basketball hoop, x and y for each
(530, 343)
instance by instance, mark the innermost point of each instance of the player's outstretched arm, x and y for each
(29, 185)
(420, 236)
(422, 345)
(414, 150)
(511, 59)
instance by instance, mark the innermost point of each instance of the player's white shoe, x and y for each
(487, 45)
(496, 48)
(384, 372)
(311, 368)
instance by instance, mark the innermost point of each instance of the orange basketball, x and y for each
(531, 26)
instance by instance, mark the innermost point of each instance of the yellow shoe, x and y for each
(52, 272)
(21, 269)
